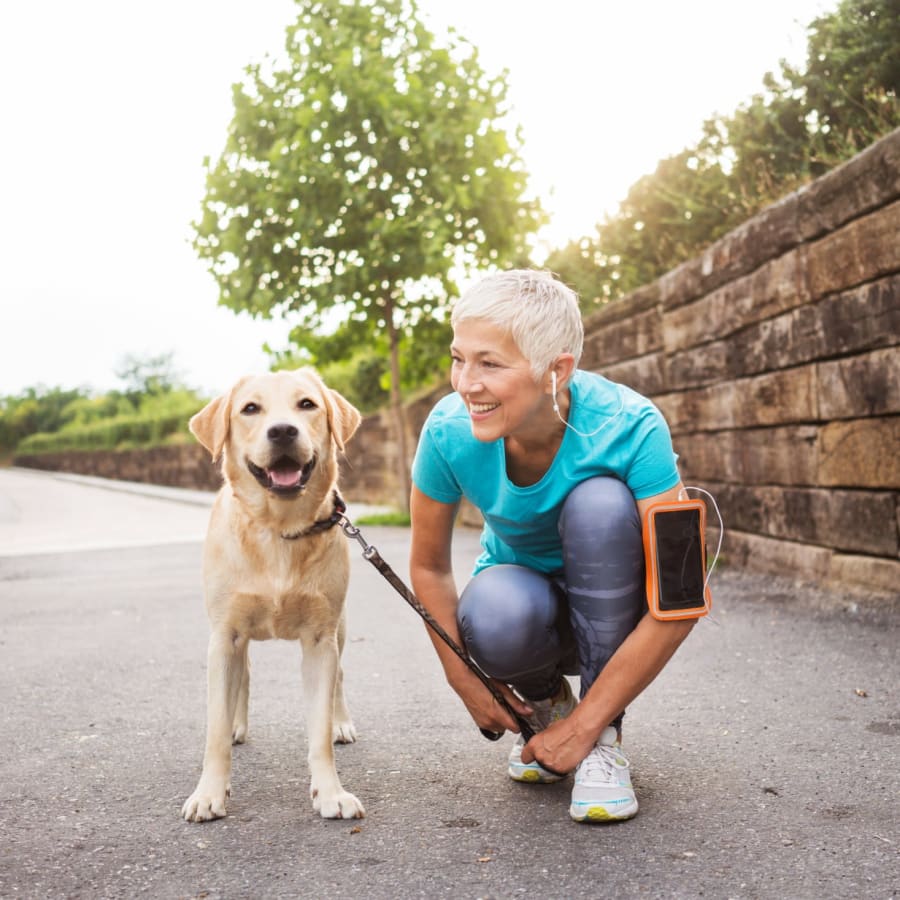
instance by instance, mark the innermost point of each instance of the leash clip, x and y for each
(354, 533)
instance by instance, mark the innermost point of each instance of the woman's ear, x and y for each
(560, 372)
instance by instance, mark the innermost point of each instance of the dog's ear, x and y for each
(343, 417)
(211, 425)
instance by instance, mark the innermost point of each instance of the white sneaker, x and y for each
(545, 712)
(602, 791)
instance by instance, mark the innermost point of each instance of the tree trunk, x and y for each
(399, 417)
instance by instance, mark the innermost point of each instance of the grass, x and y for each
(394, 517)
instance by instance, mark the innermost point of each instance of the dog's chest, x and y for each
(285, 597)
(282, 613)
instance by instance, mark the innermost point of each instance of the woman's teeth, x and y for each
(482, 407)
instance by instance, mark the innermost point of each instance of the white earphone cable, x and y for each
(572, 427)
(712, 565)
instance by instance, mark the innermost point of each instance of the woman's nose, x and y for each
(465, 382)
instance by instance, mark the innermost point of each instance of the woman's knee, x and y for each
(602, 504)
(508, 615)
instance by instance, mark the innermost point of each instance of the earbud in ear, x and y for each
(553, 388)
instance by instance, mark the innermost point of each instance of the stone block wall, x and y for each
(187, 466)
(774, 357)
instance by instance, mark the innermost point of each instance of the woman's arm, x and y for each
(639, 659)
(432, 579)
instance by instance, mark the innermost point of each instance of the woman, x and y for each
(562, 464)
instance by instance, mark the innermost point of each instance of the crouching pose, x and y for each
(562, 464)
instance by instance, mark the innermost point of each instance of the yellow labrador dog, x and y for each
(275, 568)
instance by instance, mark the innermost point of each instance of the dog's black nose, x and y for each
(282, 434)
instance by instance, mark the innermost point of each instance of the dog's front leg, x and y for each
(320, 668)
(239, 729)
(226, 659)
(342, 730)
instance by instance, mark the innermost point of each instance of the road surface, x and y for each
(766, 757)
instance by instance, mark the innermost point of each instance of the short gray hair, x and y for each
(541, 313)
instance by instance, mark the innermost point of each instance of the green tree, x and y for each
(36, 409)
(359, 174)
(147, 376)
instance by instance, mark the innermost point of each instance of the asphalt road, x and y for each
(766, 757)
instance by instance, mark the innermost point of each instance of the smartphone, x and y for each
(675, 558)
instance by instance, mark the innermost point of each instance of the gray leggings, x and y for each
(528, 629)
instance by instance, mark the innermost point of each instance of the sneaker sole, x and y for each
(532, 776)
(599, 813)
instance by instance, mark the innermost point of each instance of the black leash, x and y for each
(374, 557)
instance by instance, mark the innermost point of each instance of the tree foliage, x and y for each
(153, 408)
(806, 121)
(36, 409)
(358, 174)
(147, 376)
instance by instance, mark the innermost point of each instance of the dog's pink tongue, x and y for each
(284, 477)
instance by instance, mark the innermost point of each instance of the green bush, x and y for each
(109, 434)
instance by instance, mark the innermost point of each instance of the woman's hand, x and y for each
(483, 708)
(560, 746)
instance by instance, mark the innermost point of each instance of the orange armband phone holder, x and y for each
(675, 557)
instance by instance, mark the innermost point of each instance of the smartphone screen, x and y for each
(679, 557)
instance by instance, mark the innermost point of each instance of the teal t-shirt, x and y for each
(520, 523)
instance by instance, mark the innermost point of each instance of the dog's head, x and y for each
(279, 427)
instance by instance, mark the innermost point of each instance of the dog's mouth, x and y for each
(283, 477)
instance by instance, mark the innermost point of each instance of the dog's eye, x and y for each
(306, 403)
(250, 409)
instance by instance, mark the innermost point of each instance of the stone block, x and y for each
(777, 286)
(619, 340)
(764, 237)
(781, 455)
(763, 554)
(865, 573)
(863, 318)
(863, 385)
(878, 238)
(862, 251)
(807, 562)
(869, 180)
(699, 366)
(704, 457)
(861, 453)
(775, 398)
(682, 284)
(646, 374)
(638, 301)
(851, 521)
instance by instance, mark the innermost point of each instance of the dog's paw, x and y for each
(205, 804)
(343, 732)
(239, 734)
(342, 805)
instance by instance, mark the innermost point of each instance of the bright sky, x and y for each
(109, 108)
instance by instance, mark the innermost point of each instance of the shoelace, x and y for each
(543, 717)
(602, 761)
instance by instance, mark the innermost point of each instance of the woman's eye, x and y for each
(249, 409)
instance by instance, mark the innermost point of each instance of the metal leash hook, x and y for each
(373, 556)
(354, 533)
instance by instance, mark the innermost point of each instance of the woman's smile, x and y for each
(480, 409)
(496, 382)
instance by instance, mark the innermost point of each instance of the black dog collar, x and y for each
(322, 524)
